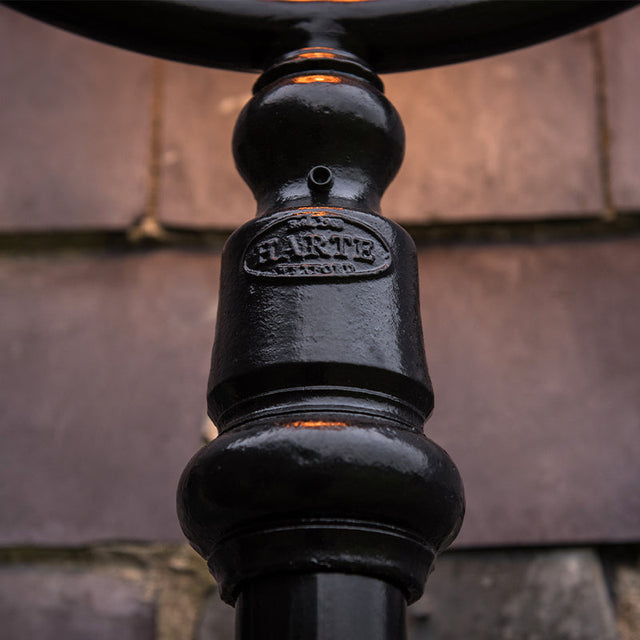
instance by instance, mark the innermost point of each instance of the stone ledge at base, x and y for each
(494, 595)
(50, 603)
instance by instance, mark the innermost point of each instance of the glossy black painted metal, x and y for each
(323, 606)
(392, 35)
(319, 384)
(321, 492)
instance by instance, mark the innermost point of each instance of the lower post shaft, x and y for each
(320, 606)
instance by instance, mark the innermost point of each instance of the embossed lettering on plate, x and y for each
(317, 245)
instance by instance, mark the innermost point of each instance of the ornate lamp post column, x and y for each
(321, 492)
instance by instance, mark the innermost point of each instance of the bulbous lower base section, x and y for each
(312, 546)
(320, 493)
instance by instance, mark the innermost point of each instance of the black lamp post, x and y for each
(321, 505)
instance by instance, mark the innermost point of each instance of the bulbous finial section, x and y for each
(319, 132)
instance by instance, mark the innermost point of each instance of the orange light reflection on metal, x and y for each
(317, 78)
(315, 424)
(322, 212)
(317, 54)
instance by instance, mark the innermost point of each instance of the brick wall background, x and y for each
(521, 186)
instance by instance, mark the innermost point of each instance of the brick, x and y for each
(532, 351)
(52, 603)
(528, 595)
(75, 129)
(513, 136)
(622, 50)
(623, 569)
(200, 185)
(506, 137)
(533, 355)
(628, 586)
(105, 362)
(510, 136)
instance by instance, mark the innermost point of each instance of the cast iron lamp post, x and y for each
(321, 505)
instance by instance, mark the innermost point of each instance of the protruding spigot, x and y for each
(319, 385)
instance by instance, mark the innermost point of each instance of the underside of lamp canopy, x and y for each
(390, 35)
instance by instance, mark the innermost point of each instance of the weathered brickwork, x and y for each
(123, 166)
(621, 52)
(105, 365)
(514, 136)
(75, 125)
(106, 359)
(199, 183)
(50, 603)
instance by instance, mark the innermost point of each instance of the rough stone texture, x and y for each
(50, 603)
(75, 129)
(508, 595)
(102, 386)
(532, 350)
(517, 595)
(506, 137)
(533, 354)
(200, 185)
(218, 620)
(626, 582)
(622, 51)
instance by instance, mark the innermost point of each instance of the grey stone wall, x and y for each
(157, 592)
(521, 186)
